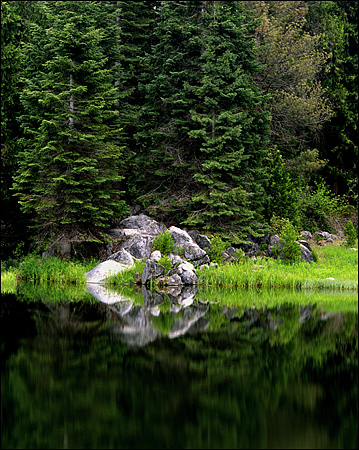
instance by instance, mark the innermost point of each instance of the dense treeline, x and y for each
(216, 115)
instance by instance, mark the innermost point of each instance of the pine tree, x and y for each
(231, 121)
(283, 193)
(206, 127)
(68, 171)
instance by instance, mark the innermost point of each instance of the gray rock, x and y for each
(305, 243)
(201, 261)
(156, 255)
(144, 223)
(187, 273)
(306, 234)
(200, 239)
(193, 252)
(175, 259)
(179, 236)
(250, 248)
(139, 246)
(152, 270)
(306, 254)
(173, 280)
(322, 234)
(274, 240)
(103, 270)
(122, 256)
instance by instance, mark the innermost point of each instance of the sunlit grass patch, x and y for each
(127, 276)
(337, 268)
(8, 282)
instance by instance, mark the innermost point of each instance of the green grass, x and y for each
(334, 262)
(48, 270)
(127, 276)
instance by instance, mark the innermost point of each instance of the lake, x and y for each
(214, 368)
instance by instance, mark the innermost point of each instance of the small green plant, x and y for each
(164, 243)
(217, 248)
(263, 247)
(278, 224)
(291, 248)
(239, 255)
(350, 234)
(275, 251)
(166, 263)
(315, 255)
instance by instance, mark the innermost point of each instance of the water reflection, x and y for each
(175, 370)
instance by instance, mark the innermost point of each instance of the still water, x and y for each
(185, 369)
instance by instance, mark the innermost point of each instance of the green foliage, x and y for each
(206, 124)
(292, 60)
(337, 25)
(218, 246)
(315, 255)
(164, 243)
(291, 248)
(283, 193)
(166, 263)
(351, 234)
(322, 209)
(277, 224)
(69, 166)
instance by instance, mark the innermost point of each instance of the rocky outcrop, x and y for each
(192, 251)
(133, 240)
(152, 270)
(143, 223)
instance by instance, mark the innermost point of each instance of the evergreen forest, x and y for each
(220, 116)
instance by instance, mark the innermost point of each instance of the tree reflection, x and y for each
(252, 378)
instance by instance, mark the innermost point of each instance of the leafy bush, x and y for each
(322, 209)
(291, 248)
(166, 263)
(351, 234)
(278, 224)
(164, 243)
(218, 246)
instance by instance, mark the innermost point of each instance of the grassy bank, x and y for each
(337, 268)
(49, 270)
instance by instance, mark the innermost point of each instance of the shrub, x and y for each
(322, 209)
(164, 243)
(277, 224)
(217, 248)
(291, 248)
(166, 263)
(350, 234)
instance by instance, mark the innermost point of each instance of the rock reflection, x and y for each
(171, 313)
(105, 295)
